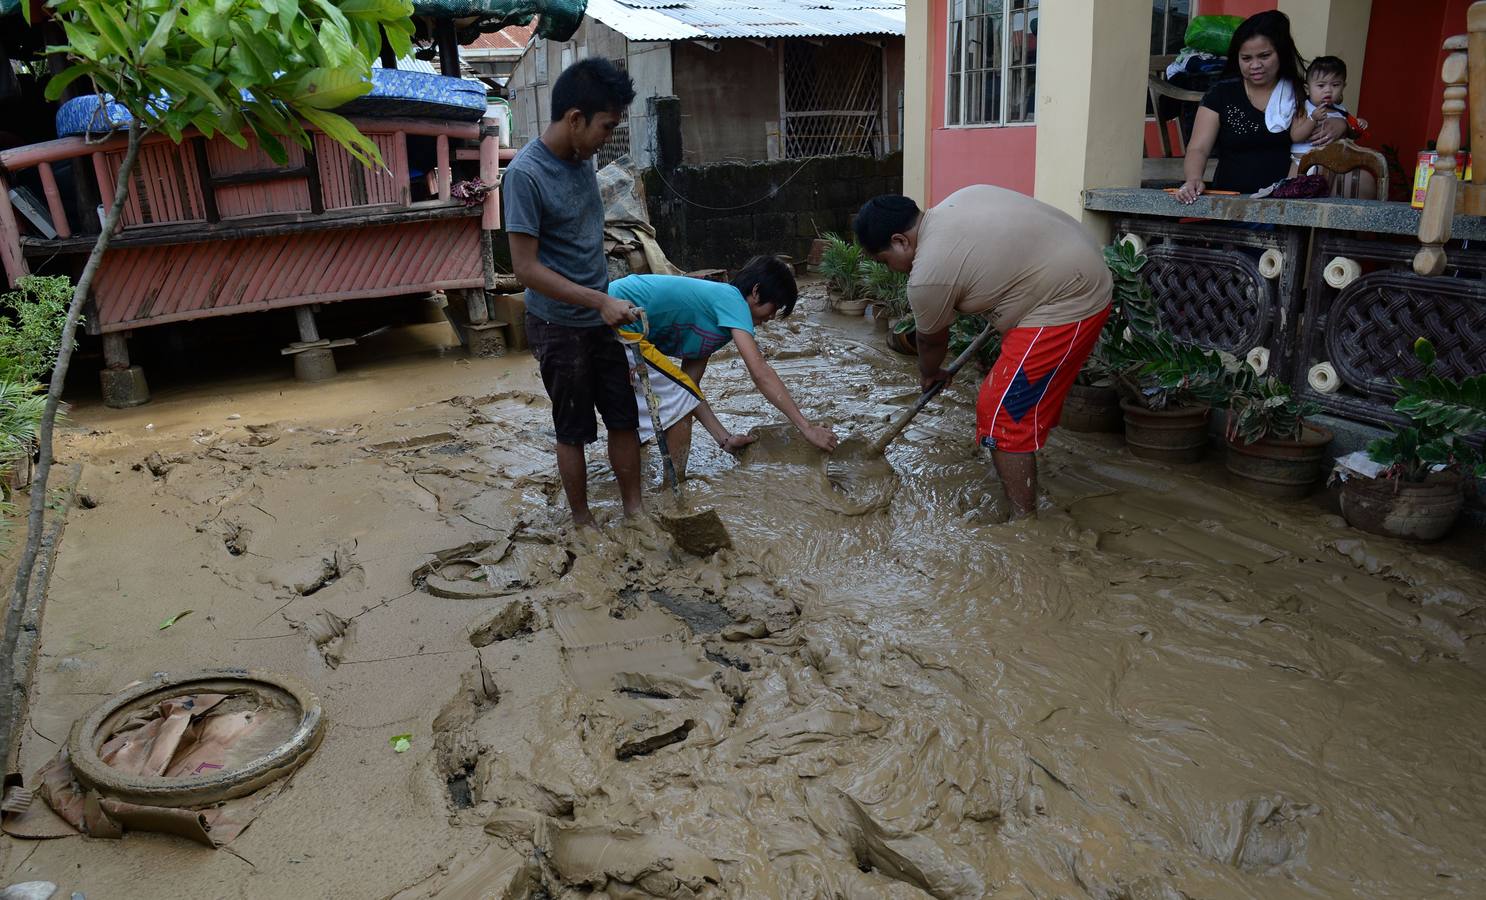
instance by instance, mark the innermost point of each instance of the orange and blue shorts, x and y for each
(1021, 399)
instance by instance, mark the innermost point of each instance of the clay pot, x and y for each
(1412, 510)
(1168, 435)
(22, 468)
(905, 342)
(877, 313)
(851, 307)
(1285, 470)
(1090, 408)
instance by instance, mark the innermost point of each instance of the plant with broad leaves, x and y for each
(1161, 371)
(1444, 414)
(232, 67)
(1264, 408)
(1133, 311)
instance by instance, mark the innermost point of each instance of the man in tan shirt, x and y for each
(1034, 272)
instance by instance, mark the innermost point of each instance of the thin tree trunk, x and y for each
(9, 724)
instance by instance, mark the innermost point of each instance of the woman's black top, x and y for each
(1250, 156)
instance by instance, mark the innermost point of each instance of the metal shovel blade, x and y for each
(698, 532)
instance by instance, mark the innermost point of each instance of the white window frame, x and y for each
(1191, 14)
(1006, 68)
(1166, 25)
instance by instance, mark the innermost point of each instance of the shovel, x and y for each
(700, 532)
(852, 461)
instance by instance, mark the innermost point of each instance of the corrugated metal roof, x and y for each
(673, 20)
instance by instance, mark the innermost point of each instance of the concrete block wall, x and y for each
(717, 216)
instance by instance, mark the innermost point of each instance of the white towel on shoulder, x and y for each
(1280, 111)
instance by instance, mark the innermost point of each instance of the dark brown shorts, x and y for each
(583, 369)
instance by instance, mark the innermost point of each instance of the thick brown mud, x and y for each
(1160, 688)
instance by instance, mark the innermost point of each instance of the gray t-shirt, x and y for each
(557, 202)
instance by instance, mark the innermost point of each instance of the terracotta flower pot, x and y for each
(1412, 510)
(877, 312)
(1090, 408)
(1167, 435)
(1286, 470)
(905, 342)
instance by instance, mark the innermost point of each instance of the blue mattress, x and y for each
(395, 93)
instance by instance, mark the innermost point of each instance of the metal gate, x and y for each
(831, 97)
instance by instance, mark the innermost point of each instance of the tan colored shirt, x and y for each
(989, 251)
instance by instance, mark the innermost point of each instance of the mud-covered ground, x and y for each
(1159, 689)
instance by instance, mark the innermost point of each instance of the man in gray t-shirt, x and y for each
(555, 222)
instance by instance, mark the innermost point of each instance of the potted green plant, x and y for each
(1426, 464)
(962, 334)
(1272, 450)
(1167, 389)
(1092, 403)
(842, 264)
(886, 292)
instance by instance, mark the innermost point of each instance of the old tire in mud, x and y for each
(89, 733)
(1283, 470)
(1166, 435)
(1089, 408)
(1412, 510)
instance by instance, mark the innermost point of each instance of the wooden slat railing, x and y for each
(201, 182)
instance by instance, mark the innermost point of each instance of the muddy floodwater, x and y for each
(1160, 689)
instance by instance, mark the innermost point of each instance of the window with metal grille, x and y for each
(832, 98)
(992, 62)
(618, 143)
(1169, 20)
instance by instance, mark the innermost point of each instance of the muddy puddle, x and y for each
(1159, 689)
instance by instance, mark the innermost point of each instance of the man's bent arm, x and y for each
(932, 348)
(534, 274)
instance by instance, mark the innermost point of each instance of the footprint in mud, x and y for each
(486, 569)
(330, 634)
(457, 749)
(517, 619)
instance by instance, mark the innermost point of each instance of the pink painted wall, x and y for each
(1007, 156)
(1004, 156)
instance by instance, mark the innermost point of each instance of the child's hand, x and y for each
(1321, 113)
(1361, 124)
(820, 436)
(736, 442)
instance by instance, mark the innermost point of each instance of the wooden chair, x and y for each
(1345, 162)
(1447, 196)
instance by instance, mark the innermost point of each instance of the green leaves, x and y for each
(883, 284)
(340, 130)
(175, 618)
(400, 743)
(1264, 407)
(842, 265)
(1443, 413)
(329, 88)
(232, 66)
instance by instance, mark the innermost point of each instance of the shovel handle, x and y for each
(668, 466)
(879, 446)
